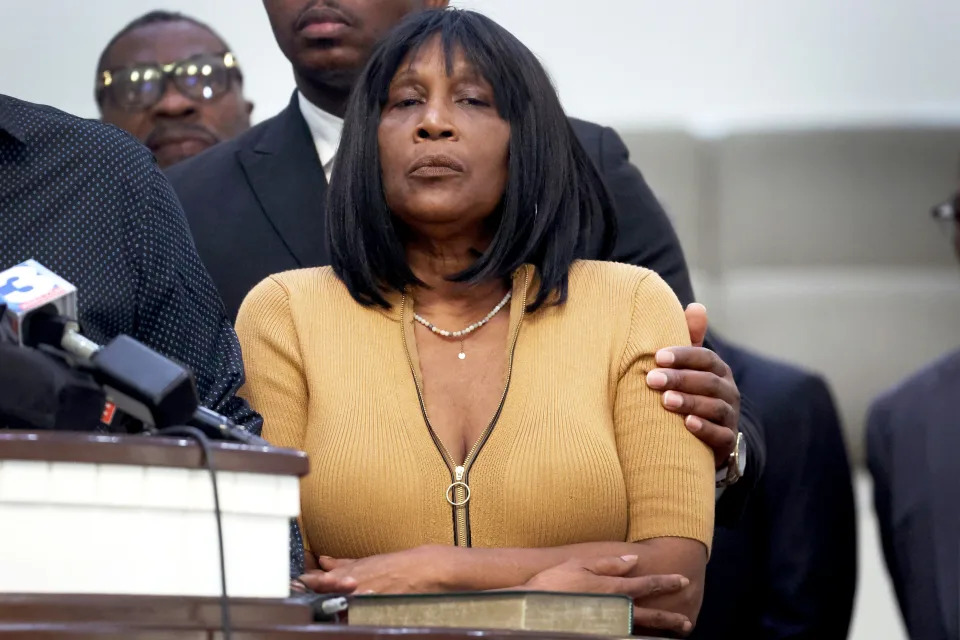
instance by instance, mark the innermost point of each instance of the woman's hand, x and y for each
(418, 570)
(322, 582)
(611, 575)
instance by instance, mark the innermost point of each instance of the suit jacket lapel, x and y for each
(288, 180)
(943, 447)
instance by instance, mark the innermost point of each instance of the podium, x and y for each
(134, 515)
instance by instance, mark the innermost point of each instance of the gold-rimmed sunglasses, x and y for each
(137, 87)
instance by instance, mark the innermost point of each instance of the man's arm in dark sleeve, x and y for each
(734, 498)
(811, 559)
(179, 312)
(646, 238)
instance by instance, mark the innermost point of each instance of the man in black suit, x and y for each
(913, 442)
(788, 569)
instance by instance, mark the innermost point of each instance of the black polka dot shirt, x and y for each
(88, 202)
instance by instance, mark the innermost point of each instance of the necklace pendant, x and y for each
(462, 355)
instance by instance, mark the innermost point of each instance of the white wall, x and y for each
(700, 63)
(713, 62)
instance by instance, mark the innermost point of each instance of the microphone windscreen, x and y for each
(38, 391)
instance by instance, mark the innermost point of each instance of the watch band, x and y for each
(732, 470)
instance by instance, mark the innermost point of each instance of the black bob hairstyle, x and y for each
(554, 209)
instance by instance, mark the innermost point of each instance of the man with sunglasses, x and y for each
(172, 82)
(913, 442)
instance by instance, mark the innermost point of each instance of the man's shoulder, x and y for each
(586, 129)
(898, 418)
(74, 136)
(602, 143)
(589, 134)
(783, 380)
(942, 376)
(219, 160)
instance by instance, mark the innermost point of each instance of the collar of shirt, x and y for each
(9, 122)
(325, 129)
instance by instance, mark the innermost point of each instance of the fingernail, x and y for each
(657, 379)
(684, 582)
(628, 558)
(296, 585)
(687, 627)
(693, 423)
(672, 400)
(665, 357)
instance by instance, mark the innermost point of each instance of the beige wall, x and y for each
(817, 246)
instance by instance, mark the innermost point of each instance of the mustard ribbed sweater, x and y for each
(582, 450)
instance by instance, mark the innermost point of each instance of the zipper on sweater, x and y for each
(458, 493)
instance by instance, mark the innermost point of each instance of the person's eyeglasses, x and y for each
(946, 213)
(202, 77)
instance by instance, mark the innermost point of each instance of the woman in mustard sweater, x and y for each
(471, 395)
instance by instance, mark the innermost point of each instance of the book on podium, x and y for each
(595, 614)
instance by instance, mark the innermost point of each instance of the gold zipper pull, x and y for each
(458, 483)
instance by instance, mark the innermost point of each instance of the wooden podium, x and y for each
(107, 536)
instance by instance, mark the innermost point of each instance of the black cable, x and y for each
(204, 442)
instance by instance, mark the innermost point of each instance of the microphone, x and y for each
(6, 335)
(41, 311)
(223, 428)
(37, 391)
(41, 392)
(29, 287)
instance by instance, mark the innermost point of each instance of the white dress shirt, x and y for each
(325, 129)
